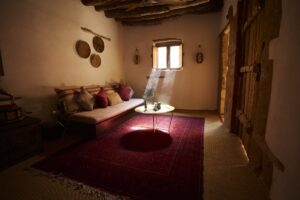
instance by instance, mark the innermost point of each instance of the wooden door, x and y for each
(253, 83)
(252, 47)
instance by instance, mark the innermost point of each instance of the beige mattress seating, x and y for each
(100, 114)
(70, 105)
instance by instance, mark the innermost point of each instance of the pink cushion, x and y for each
(124, 92)
(101, 99)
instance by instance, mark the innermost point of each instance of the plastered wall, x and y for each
(38, 39)
(283, 127)
(196, 86)
(37, 42)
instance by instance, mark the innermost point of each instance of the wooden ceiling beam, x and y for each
(148, 22)
(116, 5)
(152, 10)
(195, 9)
(101, 2)
(208, 9)
(138, 12)
(147, 12)
(161, 18)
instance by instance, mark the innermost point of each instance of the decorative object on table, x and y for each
(145, 104)
(136, 58)
(9, 110)
(1, 65)
(83, 49)
(98, 44)
(199, 55)
(92, 32)
(156, 106)
(95, 60)
(156, 109)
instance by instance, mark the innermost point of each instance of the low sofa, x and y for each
(92, 120)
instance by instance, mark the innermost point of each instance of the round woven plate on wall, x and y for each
(98, 44)
(95, 60)
(83, 49)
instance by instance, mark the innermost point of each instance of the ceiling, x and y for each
(148, 12)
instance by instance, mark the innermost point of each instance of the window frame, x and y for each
(168, 43)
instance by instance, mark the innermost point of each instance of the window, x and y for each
(167, 54)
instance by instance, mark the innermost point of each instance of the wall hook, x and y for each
(199, 55)
(136, 58)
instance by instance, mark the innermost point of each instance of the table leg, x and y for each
(153, 124)
(170, 123)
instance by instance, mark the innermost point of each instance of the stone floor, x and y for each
(226, 173)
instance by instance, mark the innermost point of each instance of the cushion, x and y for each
(124, 92)
(101, 99)
(85, 100)
(67, 97)
(69, 104)
(131, 92)
(108, 89)
(114, 98)
(66, 90)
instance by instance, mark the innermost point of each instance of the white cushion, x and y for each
(85, 100)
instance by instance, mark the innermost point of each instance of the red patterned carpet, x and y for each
(160, 166)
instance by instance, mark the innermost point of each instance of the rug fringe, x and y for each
(75, 185)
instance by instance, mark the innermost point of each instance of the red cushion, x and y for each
(124, 92)
(101, 99)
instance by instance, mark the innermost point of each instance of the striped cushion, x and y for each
(67, 97)
(108, 89)
(70, 90)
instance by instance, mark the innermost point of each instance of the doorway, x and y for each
(224, 38)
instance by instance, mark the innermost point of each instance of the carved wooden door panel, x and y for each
(249, 70)
(254, 81)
